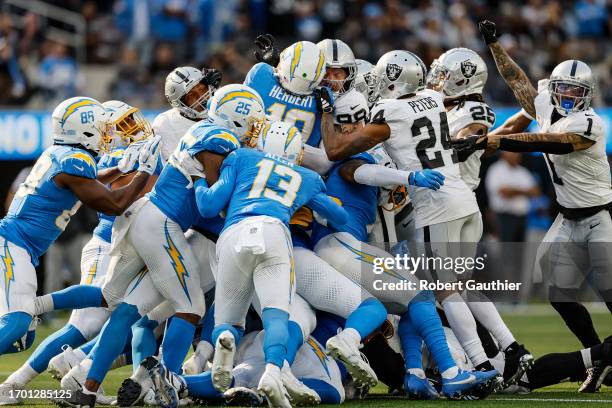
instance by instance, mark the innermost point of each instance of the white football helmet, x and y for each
(130, 124)
(339, 55)
(364, 82)
(240, 109)
(458, 72)
(301, 68)
(178, 84)
(571, 86)
(399, 73)
(82, 121)
(283, 140)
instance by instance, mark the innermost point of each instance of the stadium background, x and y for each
(52, 50)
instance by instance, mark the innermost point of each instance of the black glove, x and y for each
(470, 143)
(212, 77)
(265, 50)
(325, 99)
(488, 29)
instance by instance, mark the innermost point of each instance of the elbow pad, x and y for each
(519, 146)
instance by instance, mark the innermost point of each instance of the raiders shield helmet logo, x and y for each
(468, 68)
(393, 71)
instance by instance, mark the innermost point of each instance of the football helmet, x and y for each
(82, 121)
(130, 124)
(182, 80)
(301, 68)
(399, 73)
(238, 108)
(364, 82)
(458, 72)
(571, 86)
(339, 55)
(283, 140)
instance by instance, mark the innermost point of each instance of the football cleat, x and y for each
(133, 389)
(76, 399)
(488, 382)
(75, 377)
(63, 362)
(197, 362)
(223, 361)
(271, 384)
(8, 393)
(299, 394)
(454, 388)
(243, 397)
(345, 347)
(419, 388)
(518, 362)
(167, 385)
(595, 377)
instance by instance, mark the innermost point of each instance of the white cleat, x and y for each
(9, 394)
(63, 362)
(75, 379)
(299, 393)
(344, 346)
(197, 362)
(223, 361)
(271, 384)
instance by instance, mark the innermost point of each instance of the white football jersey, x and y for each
(350, 107)
(459, 117)
(581, 178)
(419, 140)
(171, 126)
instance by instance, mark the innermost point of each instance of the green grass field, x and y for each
(538, 327)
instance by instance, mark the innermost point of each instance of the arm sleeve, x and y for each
(380, 176)
(212, 200)
(328, 209)
(316, 159)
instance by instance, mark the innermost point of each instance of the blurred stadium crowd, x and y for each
(125, 49)
(140, 41)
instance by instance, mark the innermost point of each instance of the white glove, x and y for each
(149, 155)
(129, 161)
(187, 165)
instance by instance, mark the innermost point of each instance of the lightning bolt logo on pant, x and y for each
(367, 258)
(9, 273)
(320, 354)
(176, 260)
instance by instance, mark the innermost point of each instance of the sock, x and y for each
(464, 327)
(578, 320)
(485, 366)
(22, 376)
(426, 321)
(236, 331)
(208, 324)
(123, 360)
(554, 368)
(87, 347)
(52, 346)
(77, 297)
(368, 316)
(200, 386)
(275, 322)
(144, 343)
(177, 340)
(411, 343)
(488, 316)
(112, 340)
(450, 373)
(13, 326)
(327, 392)
(294, 342)
(489, 345)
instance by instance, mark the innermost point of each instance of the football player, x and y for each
(364, 82)
(261, 191)
(572, 138)
(64, 176)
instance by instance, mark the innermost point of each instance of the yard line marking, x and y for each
(551, 399)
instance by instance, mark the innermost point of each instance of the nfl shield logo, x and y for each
(393, 71)
(468, 68)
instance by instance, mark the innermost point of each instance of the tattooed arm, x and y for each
(514, 76)
(554, 143)
(339, 146)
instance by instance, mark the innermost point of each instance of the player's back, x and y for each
(171, 126)
(459, 117)
(581, 178)
(420, 139)
(268, 185)
(41, 210)
(281, 105)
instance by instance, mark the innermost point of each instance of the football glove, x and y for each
(129, 160)
(325, 99)
(149, 155)
(212, 77)
(265, 50)
(426, 178)
(488, 29)
(470, 143)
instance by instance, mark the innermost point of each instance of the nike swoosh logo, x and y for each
(468, 380)
(406, 224)
(353, 107)
(587, 114)
(79, 168)
(593, 226)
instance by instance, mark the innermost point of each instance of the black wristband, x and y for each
(520, 146)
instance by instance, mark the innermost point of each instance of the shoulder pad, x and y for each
(585, 123)
(79, 163)
(258, 72)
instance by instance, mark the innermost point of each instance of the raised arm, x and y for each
(517, 123)
(212, 200)
(514, 76)
(553, 143)
(329, 209)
